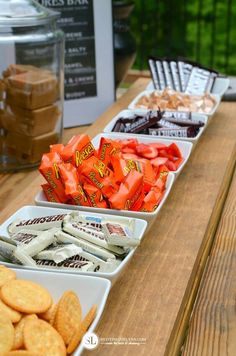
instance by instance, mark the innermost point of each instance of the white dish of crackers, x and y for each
(48, 314)
(70, 242)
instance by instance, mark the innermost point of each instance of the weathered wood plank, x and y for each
(213, 324)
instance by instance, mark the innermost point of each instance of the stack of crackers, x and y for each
(32, 324)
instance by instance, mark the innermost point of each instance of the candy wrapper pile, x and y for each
(158, 123)
(69, 241)
(122, 175)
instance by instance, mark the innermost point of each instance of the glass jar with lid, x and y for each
(31, 83)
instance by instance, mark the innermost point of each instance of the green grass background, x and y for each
(202, 30)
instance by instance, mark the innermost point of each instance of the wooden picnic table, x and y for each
(192, 243)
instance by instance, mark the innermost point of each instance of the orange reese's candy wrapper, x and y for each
(78, 149)
(129, 192)
(98, 174)
(49, 169)
(73, 189)
(95, 196)
(50, 194)
(107, 149)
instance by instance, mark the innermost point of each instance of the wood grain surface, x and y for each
(153, 299)
(212, 329)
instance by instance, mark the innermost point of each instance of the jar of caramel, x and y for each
(31, 83)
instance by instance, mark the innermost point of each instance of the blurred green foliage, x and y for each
(201, 30)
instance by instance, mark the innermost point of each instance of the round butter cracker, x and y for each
(14, 315)
(26, 296)
(6, 334)
(6, 275)
(19, 328)
(40, 337)
(68, 315)
(83, 327)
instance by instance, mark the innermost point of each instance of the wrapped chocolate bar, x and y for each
(95, 237)
(42, 223)
(31, 244)
(99, 264)
(11, 253)
(82, 266)
(63, 237)
(59, 253)
(183, 132)
(120, 235)
(24, 258)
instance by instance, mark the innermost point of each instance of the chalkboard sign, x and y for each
(89, 59)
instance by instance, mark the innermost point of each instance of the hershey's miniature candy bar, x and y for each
(177, 115)
(119, 235)
(119, 126)
(41, 223)
(99, 264)
(167, 73)
(175, 75)
(160, 72)
(24, 236)
(185, 122)
(91, 222)
(59, 253)
(11, 253)
(85, 245)
(198, 81)
(142, 123)
(38, 243)
(80, 265)
(182, 132)
(153, 70)
(7, 251)
(170, 125)
(91, 236)
(23, 258)
(184, 72)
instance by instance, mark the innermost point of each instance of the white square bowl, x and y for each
(41, 200)
(30, 212)
(220, 86)
(130, 113)
(90, 290)
(132, 105)
(185, 148)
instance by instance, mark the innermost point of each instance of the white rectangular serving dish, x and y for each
(41, 200)
(220, 86)
(30, 212)
(185, 148)
(132, 105)
(129, 113)
(90, 290)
